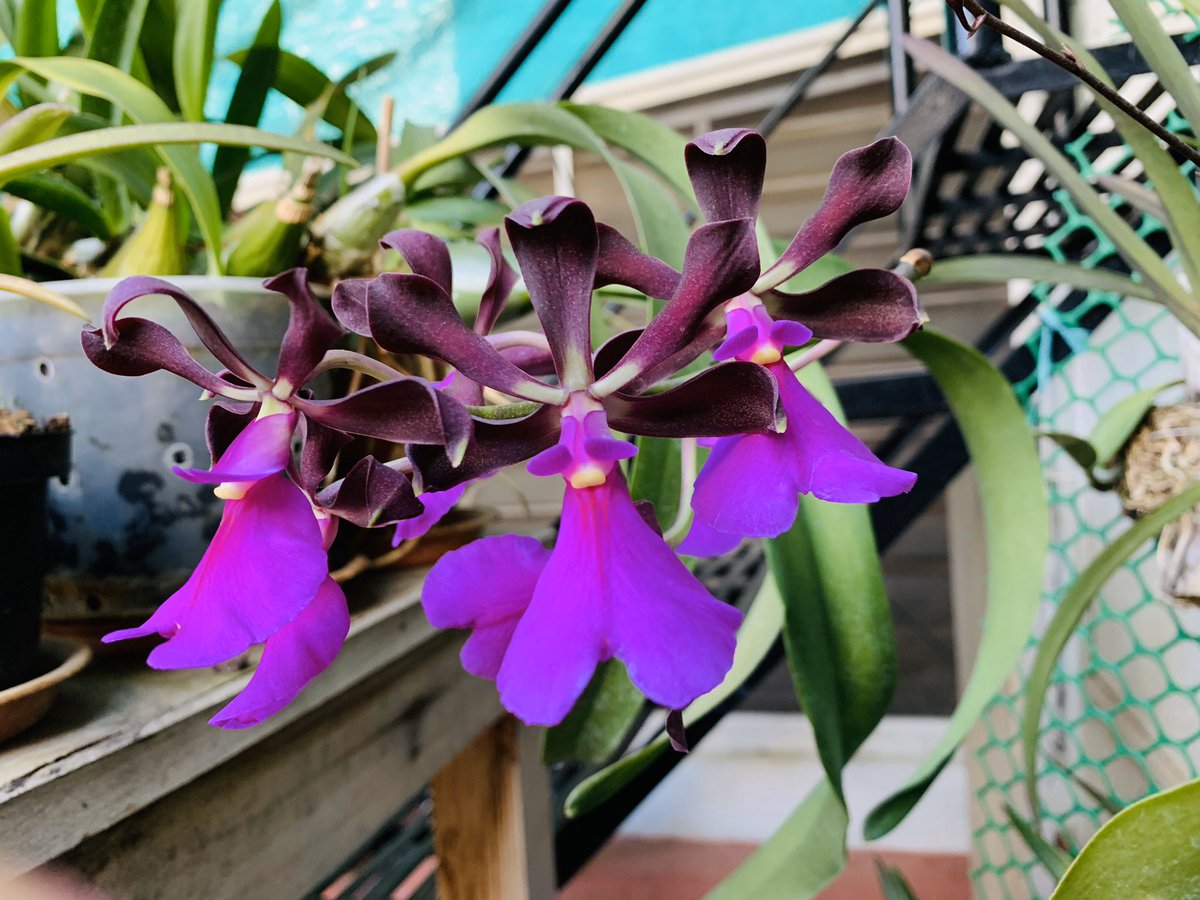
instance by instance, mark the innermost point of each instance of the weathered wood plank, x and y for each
(283, 814)
(122, 737)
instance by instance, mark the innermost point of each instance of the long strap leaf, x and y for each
(1001, 268)
(1140, 255)
(1074, 603)
(1009, 474)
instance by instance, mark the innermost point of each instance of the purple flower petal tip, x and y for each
(291, 658)
(437, 504)
(262, 449)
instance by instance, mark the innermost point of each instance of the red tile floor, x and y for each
(667, 869)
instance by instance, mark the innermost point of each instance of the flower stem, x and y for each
(1069, 63)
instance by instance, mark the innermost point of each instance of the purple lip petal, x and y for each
(129, 289)
(555, 241)
(500, 282)
(412, 314)
(493, 446)
(703, 541)
(732, 398)
(263, 448)
(425, 254)
(726, 169)
(864, 306)
(261, 569)
(226, 420)
(291, 658)
(750, 483)
(371, 495)
(620, 262)
(484, 586)
(867, 183)
(612, 588)
(310, 330)
(146, 347)
(319, 449)
(407, 410)
(435, 505)
(721, 262)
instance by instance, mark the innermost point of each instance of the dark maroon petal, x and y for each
(310, 332)
(721, 262)
(556, 246)
(734, 398)
(371, 495)
(226, 420)
(726, 169)
(620, 262)
(411, 314)
(707, 335)
(129, 289)
(425, 254)
(500, 282)
(319, 449)
(146, 347)
(676, 733)
(404, 411)
(867, 183)
(864, 306)
(531, 360)
(493, 446)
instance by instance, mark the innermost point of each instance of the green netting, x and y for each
(1122, 714)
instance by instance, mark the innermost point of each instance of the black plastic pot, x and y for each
(26, 462)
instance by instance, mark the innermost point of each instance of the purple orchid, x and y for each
(541, 620)
(264, 578)
(750, 484)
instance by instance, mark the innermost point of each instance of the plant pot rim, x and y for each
(74, 286)
(69, 656)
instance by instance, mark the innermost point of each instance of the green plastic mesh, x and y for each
(1122, 715)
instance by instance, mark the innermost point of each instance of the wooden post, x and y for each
(489, 844)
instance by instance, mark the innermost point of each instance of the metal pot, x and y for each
(125, 531)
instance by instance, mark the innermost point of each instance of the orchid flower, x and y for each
(750, 484)
(264, 578)
(542, 620)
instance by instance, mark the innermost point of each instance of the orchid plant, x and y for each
(727, 365)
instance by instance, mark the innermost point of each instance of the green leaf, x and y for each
(1173, 190)
(1073, 604)
(33, 125)
(655, 476)
(56, 194)
(156, 43)
(758, 633)
(1147, 850)
(838, 626)
(1141, 21)
(10, 252)
(303, 83)
(36, 28)
(659, 147)
(892, 883)
(1104, 801)
(1009, 473)
(826, 268)
(1137, 253)
(600, 720)
(114, 34)
(457, 211)
(246, 104)
(8, 19)
(662, 231)
(1055, 859)
(527, 124)
(842, 655)
(122, 137)
(800, 859)
(1001, 268)
(143, 106)
(195, 36)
